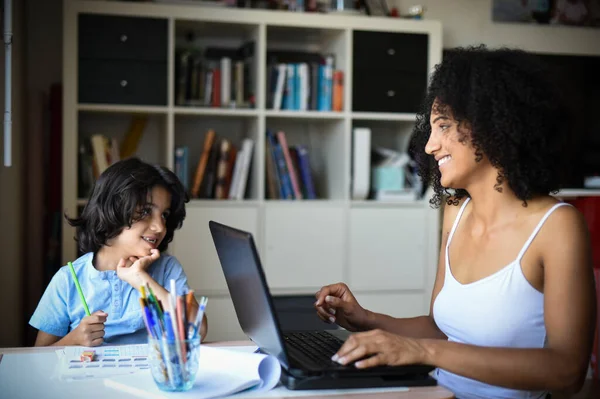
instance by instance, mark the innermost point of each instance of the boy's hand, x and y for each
(90, 332)
(133, 269)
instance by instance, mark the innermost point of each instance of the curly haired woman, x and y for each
(513, 306)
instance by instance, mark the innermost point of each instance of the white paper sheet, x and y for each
(221, 372)
(109, 361)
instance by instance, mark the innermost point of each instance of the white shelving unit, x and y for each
(387, 252)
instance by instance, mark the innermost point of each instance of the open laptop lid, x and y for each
(248, 288)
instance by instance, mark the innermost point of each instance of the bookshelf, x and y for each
(387, 252)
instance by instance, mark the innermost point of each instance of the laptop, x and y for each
(305, 356)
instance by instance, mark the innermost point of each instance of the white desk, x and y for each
(33, 376)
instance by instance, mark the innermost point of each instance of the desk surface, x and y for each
(435, 392)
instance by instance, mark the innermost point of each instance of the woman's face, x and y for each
(450, 145)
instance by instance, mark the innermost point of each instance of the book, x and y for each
(247, 148)
(337, 102)
(272, 177)
(221, 172)
(100, 150)
(235, 176)
(290, 167)
(221, 372)
(181, 165)
(305, 172)
(201, 168)
(132, 138)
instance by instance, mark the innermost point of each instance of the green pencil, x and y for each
(85, 306)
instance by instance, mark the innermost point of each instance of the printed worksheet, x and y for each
(107, 361)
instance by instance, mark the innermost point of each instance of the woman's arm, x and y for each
(570, 314)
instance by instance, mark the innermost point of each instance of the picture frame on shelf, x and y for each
(377, 8)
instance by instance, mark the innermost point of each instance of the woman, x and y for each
(513, 306)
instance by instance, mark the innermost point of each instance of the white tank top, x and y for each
(500, 310)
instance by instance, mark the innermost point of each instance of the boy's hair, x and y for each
(516, 114)
(118, 194)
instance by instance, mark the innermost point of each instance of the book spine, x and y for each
(247, 147)
(289, 100)
(305, 172)
(225, 82)
(290, 167)
(221, 173)
(237, 169)
(181, 165)
(287, 191)
(271, 174)
(202, 163)
(314, 86)
(279, 171)
(338, 91)
(279, 88)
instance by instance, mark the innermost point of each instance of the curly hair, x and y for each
(516, 115)
(118, 194)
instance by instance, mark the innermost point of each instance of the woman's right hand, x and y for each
(336, 304)
(90, 331)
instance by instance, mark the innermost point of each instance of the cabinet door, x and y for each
(194, 248)
(223, 323)
(387, 248)
(394, 304)
(304, 247)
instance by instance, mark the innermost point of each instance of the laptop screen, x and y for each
(248, 288)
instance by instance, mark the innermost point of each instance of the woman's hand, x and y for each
(90, 331)
(336, 304)
(380, 348)
(133, 269)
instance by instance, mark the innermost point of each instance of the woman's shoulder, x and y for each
(561, 222)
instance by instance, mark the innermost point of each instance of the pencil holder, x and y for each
(174, 364)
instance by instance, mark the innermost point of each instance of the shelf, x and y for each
(81, 201)
(200, 203)
(306, 115)
(374, 116)
(305, 203)
(125, 109)
(578, 192)
(386, 204)
(225, 112)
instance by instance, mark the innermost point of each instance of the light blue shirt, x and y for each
(60, 310)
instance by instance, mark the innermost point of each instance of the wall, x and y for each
(11, 231)
(464, 21)
(467, 22)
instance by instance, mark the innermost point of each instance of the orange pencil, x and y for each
(180, 317)
(189, 297)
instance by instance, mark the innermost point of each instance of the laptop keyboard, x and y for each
(319, 346)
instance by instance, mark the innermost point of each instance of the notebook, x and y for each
(222, 372)
(305, 356)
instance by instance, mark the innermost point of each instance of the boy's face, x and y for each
(150, 228)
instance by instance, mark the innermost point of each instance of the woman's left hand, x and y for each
(132, 269)
(380, 348)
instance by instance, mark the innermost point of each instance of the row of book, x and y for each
(288, 169)
(215, 77)
(305, 86)
(222, 171)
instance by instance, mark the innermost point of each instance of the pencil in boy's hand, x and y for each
(85, 306)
